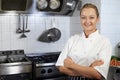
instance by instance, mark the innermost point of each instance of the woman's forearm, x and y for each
(89, 72)
(67, 71)
(86, 71)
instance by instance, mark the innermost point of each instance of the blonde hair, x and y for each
(89, 5)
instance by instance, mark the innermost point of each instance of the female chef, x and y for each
(86, 56)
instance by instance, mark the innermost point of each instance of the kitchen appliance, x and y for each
(44, 66)
(14, 65)
(15, 5)
(43, 7)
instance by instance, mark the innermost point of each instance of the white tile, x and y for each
(5, 27)
(6, 45)
(75, 19)
(6, 36)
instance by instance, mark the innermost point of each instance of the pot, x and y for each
(54, 4)
(71, 4)
(42, 4)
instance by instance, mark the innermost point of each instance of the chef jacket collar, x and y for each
(92, 35)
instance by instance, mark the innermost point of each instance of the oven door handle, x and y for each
(45, 64)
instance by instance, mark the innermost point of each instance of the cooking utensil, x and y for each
(42, 4)
(23, 34)
(26, 26)
(54, 4)
(51, 35)
(71, 4)
(19, 30)
(54, 34)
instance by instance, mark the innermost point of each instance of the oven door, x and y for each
(22, 76)
(47, 72)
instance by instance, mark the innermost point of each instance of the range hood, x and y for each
(43, 7)
(18, 6)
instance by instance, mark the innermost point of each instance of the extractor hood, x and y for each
(18, 6)
(43, 7)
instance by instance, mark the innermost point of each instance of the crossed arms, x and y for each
(72, 69)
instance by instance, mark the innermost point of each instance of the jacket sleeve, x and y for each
(105, 55)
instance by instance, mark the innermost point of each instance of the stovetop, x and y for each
(44, 58)
(10, 56)
(14, 60)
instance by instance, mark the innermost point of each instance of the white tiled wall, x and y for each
(110, 22)
(10, 40)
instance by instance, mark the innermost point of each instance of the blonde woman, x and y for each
(86, 56)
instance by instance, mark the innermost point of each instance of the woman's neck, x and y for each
(87, 33)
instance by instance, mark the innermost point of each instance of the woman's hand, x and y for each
(68, 62)
(97, 63)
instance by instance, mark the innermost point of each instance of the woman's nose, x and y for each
(87, 20)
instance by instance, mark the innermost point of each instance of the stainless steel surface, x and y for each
(42, 4)
(14, 62)
(45, 64)
(50, 35)
(14, 68)
(42, 7)
(71, 4)
(44, 67)
(54, 4)
(18, 6)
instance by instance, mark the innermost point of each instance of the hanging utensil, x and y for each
(23, 34)
(19, 30)
(42, 4)
(51, 35)
(70, 6)
(26, 26)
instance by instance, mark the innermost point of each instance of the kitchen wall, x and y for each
(10, 40)
(110, 22)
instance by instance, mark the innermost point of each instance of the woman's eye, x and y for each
(82, 17)
(91, 17)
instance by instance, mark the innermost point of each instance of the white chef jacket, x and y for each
(85, 51)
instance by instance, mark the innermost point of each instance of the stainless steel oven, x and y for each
(44, 67)
(14, 65)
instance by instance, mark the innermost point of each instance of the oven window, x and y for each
(18, 5)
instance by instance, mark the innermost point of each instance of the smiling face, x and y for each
(89, 19)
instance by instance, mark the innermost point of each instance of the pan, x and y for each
(50, 35)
